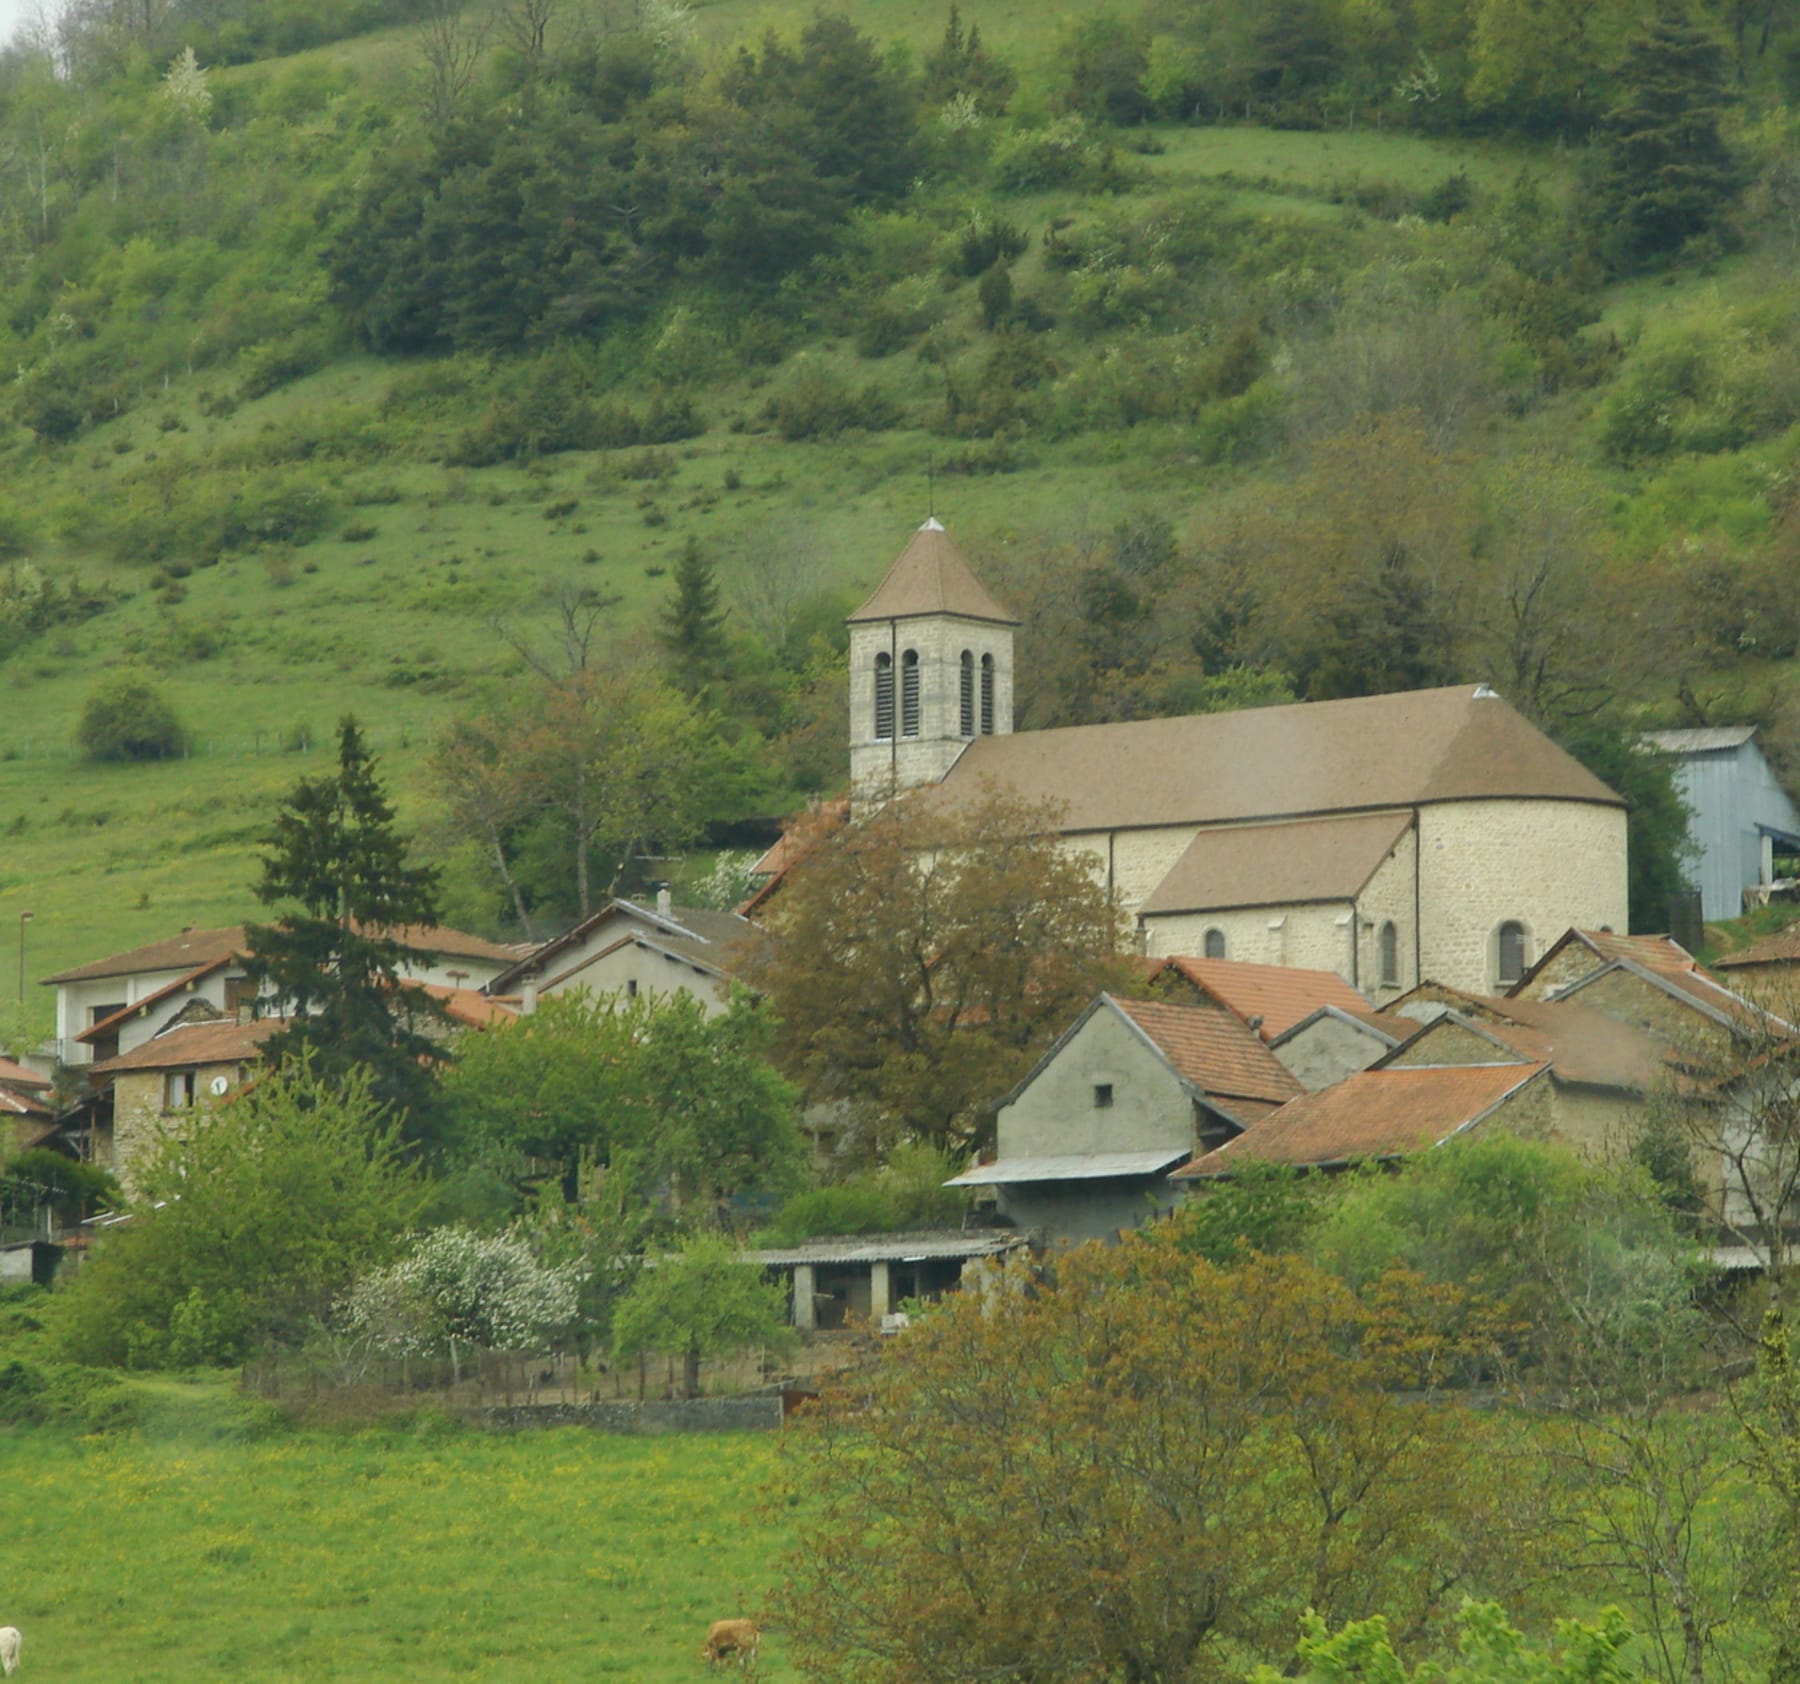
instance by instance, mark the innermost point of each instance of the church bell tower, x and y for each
(931, 669)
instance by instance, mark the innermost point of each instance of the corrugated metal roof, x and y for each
(1699, 739)
(889, 1248)
(1073, 1166)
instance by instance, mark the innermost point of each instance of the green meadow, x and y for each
(384, 1556)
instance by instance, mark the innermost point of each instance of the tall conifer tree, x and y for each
(1666, 171)
(332, 961)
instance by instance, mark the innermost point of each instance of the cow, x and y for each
(726, 1638)
(10, 1645)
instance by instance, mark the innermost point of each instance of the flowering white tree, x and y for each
(457, 1289)
(185, 87)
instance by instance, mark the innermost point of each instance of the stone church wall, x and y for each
(1548, 864)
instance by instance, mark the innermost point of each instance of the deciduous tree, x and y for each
(1130, 1473)
(925, 956)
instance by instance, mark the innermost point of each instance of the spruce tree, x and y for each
(1666, 172)
(331, 961)
(693, 623)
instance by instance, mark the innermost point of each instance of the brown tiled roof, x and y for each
(1373, 1114)
(1281, 995)
(195, 948)
(1212, 1050)
(930, 576)
(470, 1006)
(17, 1076)
(1782, 948)
(1367, 754)
(1579, 1043)
(1656, 953)
(195, 1043)
(174, 953)
(1278, 864)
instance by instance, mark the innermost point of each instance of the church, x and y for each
(1433, 835)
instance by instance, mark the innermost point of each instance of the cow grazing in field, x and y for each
(10, 1645)
(728, 1638)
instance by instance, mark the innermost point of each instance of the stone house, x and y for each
(162, 1079)
(1386, 838)
(1128, 1091)
(26, 1112)
(1767, 971)
(627, 950)
(109, 1006)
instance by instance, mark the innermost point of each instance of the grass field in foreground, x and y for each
(383, 1557)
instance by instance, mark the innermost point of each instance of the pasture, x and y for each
(391, 1557)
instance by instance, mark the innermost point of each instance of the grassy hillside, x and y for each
(281, 526)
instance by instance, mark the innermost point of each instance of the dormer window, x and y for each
(909, 693)
(884, 698)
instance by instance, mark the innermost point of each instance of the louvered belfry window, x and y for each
(967, 724)
(909, 693)
(884, 698)
(987, 695)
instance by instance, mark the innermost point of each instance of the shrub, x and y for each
(128, 718)
(985, 242)
(820, 405)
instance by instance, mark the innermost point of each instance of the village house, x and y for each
(1388, 839)
(112, 1005)
(631, 951)
(1128, 1091)
(1767, 971)
(26, 1110)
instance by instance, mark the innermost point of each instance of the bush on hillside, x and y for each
(127, 718)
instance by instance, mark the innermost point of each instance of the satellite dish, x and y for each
(219, 1084)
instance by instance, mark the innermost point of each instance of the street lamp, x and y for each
(24, 919)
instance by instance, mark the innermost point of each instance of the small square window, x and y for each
(1102, 1096)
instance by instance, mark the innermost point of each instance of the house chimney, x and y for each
(663, 902)
(528, 999)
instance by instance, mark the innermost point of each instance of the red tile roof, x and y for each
(1281, 995)
(17, 1076)
(470, 1006)
(1214, 1051)
(1373, 1114)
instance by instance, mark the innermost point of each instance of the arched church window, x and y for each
(1214, 944)
(966, 720)
(884, 697)
(1390, 955)
(909, 693)
(987, 695)
(1509, 952)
